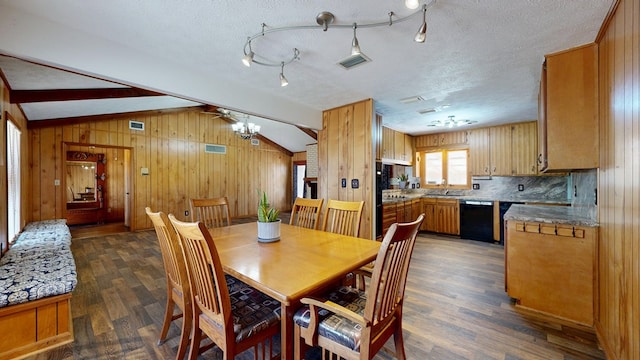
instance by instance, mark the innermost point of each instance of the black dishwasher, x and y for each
(476, 220)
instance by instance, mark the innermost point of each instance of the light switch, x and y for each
(144, 171)
(56, 182)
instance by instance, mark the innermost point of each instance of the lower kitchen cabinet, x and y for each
(551, 268)
(441, 215)
(401, 211)
(388, 216)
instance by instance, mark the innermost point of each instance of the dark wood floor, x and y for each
(456, 307)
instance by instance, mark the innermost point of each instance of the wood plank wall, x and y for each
(346, 150)
(11, 110)
(618, 315)
(172, 148)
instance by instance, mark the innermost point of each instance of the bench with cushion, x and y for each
(37, 276)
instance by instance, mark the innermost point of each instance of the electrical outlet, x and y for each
(186, 213)
(520, 187)
(476, 186)
(56, 182)
(344, 182)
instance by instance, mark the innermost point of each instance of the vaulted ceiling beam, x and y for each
(33, 96)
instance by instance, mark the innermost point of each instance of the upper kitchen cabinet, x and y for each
(568, 110)
(397, 147)
(503, 150)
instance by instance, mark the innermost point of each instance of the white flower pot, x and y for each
(269, 231)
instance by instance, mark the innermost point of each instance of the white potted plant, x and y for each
(268, 221)
(402, 181)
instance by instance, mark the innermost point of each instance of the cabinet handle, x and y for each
(486, 169)
(539, 158)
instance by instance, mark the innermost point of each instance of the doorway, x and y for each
(115, 175)
(299, 173)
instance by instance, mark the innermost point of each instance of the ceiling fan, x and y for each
(221, 113)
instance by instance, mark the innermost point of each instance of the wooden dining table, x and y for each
(302, 263)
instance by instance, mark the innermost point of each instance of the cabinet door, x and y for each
(448, 217)
(388, 151)
(399, 146)
(572, 109)
(479, 154)
(429, 209)
(408, 148)
(388, 216)
(524, 144)
(416, 209)
(500, 149)
(542, 121)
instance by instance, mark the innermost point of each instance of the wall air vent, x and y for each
(354, 60)
(136, 125)
(255, 142)
(215, 149)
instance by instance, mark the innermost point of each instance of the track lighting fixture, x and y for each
(325, 20)
(421, 35)
(283, 80)
(355, 47)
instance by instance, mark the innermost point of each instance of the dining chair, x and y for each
(178, 291)
(254, 318)
(353, 324)
(306, 212)
(343, 217)
(213, 212)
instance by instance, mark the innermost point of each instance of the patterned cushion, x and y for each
(38, 264)
(335, 327)
(253, 311)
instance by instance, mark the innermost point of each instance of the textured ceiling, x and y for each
(482, 59)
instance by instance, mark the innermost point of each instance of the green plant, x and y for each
(265, 212)
(403, 177)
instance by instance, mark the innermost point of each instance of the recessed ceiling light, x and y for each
(426, 111)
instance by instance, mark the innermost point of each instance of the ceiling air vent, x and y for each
(215, 149)
(354, 60)
(426, 111)
(136, 125)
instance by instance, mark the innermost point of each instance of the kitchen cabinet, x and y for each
(397, 147)
(568, 110)
(503, 150)
(389, 215)
(441, 215)
(500, 150)
(524, 148)
(551, 268)
(441, 139)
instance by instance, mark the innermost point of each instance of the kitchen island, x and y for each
(551, 260)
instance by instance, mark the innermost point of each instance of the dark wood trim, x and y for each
(309, 132)
(33, 96)
(38, 124)
(277, 146)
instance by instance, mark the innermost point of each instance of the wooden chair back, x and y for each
(207, 281)
(214, 212)
(343, 217)
(306, 213)
(178, 289)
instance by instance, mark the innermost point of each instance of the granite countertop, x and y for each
(409, 196)
(551, 214)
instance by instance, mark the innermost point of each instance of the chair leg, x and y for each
(187, 320)
(399, 341)
(196, 337)
(168, 316)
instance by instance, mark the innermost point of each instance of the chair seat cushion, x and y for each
(253, 311)
(335, 327)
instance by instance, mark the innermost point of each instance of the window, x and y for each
(446, 168)
(13, 180)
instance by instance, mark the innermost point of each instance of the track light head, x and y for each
(421, 35)
(355, 47)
